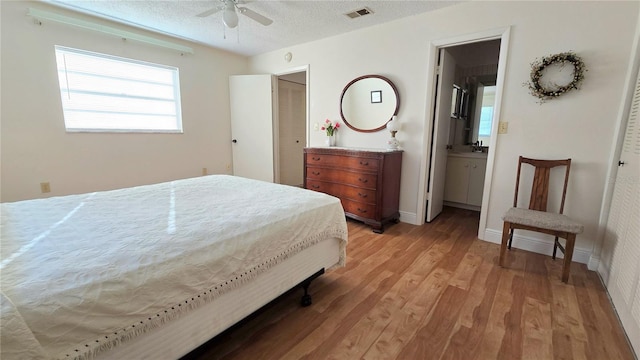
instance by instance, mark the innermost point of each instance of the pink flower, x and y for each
(330, 128)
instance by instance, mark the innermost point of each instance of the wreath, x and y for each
(552, 90)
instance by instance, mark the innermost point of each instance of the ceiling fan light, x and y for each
(229, 17)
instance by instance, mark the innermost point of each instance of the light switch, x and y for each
(503, 127)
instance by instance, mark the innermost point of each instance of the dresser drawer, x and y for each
(359, 209)
(364, 180)
(359, 194)
(343, 191)
(348, 162)
(325, 187)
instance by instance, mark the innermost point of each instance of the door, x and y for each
(252, 123)
(457, 178)
(623, 229)
(477, 172)
(292, 109)
(440, 135)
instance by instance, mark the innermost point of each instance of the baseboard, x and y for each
(539, 246)
(604, 273)
(593, 263)
(409, 218)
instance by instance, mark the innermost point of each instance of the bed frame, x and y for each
(185, 334)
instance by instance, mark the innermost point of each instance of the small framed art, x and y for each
(376, 96)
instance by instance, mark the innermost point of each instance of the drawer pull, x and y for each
(363, 180)
(362, 211)
(315, 186)
(362, 195)
(315, 172)
(315, 158)
(364, 163)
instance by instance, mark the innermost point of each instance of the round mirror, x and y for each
(367, 103)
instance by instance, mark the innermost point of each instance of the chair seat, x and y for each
(541, 219)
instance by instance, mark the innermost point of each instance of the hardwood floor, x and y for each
(434, 292)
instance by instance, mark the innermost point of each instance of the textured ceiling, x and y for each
(294, 22)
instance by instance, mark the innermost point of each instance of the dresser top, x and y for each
(354, 149)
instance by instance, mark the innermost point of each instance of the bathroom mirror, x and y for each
(368, 102)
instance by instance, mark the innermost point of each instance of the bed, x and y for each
(154, 271)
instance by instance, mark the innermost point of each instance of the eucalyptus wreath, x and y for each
(554, 90)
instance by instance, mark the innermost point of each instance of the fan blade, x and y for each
(208, 12)
(255, 16)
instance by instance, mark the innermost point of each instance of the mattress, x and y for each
(82, 274)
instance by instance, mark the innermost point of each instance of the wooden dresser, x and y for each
(366, 181)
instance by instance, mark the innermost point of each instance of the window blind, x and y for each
(107, 93)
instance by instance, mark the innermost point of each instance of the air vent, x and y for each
(358, 13)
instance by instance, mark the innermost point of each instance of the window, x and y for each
(486, 115)
(106, 93)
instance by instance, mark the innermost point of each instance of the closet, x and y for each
(622, 239)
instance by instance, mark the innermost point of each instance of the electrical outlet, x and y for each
(204, 171)
(45, 187)
(503, 127)
(316, 127)
(228, 166)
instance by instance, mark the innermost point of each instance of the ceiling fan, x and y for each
(230, 15)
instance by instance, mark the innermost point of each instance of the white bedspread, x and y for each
(81, 273)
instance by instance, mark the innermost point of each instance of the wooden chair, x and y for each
(536, 218)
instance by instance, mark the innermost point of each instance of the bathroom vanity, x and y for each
(464, 180)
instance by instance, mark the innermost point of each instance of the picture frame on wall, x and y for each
(456, 99)
(376, 96)
(459, 103)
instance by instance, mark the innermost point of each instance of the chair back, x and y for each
(540, 186)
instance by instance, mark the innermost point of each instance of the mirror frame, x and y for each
(395, 112)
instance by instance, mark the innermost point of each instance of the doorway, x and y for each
(291, 127)
(470, 122)
(259, 149)
(442, 131)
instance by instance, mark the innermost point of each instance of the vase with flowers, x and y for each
(330, 128)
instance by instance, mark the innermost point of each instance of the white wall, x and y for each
(579, 125)
(35, 147)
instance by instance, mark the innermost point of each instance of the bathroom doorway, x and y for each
(474, 57)
(470, 122)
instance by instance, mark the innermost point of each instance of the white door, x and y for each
(251, 98)
(440, 136)
(623, 229)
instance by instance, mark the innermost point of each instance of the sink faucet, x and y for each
(476, 146)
